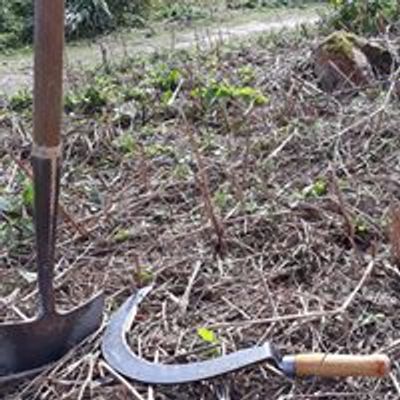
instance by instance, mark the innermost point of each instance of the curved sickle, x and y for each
(119, 355)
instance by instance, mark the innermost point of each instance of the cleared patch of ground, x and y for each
(156, 151)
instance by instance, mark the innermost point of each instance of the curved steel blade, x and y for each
(119, 355)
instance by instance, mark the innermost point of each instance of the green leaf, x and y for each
(126, 143)
(207, 335)
(122, 235)
(318, 189)
(28, 194)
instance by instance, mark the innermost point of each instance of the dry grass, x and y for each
(293, 253)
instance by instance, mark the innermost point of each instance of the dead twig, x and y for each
(205, 190)
(303, 316)
(394, 234)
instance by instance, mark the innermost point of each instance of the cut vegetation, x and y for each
(229, 171)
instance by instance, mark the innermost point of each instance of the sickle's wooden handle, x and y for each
(331, 365)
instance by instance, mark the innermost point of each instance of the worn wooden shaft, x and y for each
(46, 149)
(48, 71)
(340, 365)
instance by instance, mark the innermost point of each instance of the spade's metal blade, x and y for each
(118, 354)
(28, 346)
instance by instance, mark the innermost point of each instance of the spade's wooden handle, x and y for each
(49, 45)
(331, 365)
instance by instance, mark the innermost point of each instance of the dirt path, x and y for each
(16, 71)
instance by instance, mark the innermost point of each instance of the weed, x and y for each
(222, 92)
(20, 101)
(134, 93)
(126, 143)
(28, 193)
(222, 198)
(207, 335)
(360, 228)
(14, 210)
(247, 74)
(182, 171)
(158, 149)
(144, 274)
(178, 11)
(122, 235)
(166, 79)
(92, 98)
(318, 189)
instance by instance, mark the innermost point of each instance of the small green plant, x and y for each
(122, 235)
(158, 149)
(17, 225)
(126, 143)
(144, 274)
(182, 171)
(165, 78)
(222, 198)
(134, 93)
(20, 101)
(180, 11)
(217, 91)
(207, 335)
(27, 193)
(247, 74)
(361, 228)
(318, 189)
(93, 97)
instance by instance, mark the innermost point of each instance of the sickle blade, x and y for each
(119, 355)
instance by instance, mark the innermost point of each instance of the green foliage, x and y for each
(223, 91)
(126, 143)
(83, 18)
(360, 227)
(122, 235)
(247, 74)
(92, 98)
(251, 4)
(166, 79)
(363, 16)
(318, 189)
(88, 18)
(16, 22)
(158, 149)
(27, 193)
(20, 101)
(17, 225)
(180, 11)
(207, 335)
(91, 17)
(222, 198)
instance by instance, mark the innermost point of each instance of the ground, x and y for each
(226, 177)
(16, 68)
